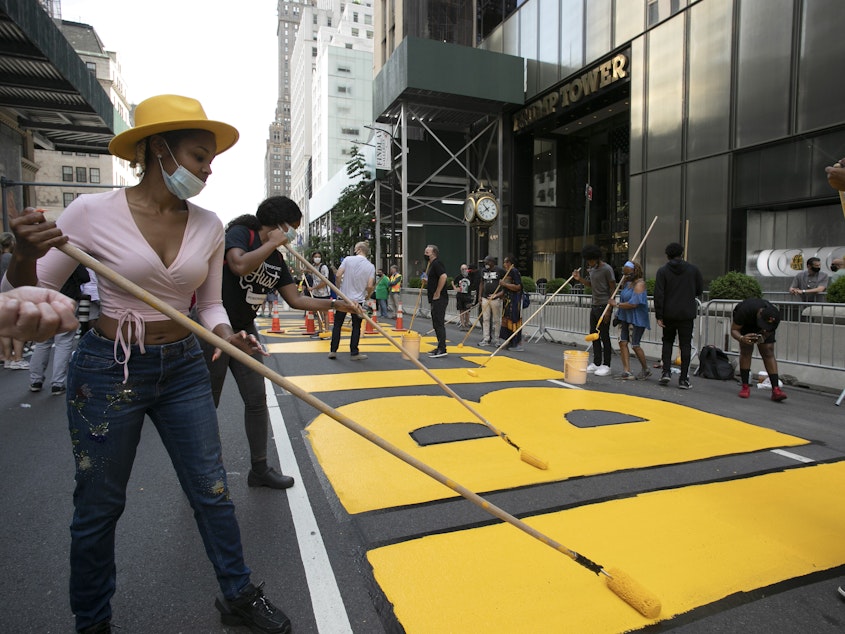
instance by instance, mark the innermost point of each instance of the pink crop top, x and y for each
(102, 226)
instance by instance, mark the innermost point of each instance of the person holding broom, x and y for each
(137, 362)
(253, 267)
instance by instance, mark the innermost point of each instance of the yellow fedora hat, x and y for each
(164, 113)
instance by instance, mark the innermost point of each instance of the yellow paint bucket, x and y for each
(575, 366)
(411, 343)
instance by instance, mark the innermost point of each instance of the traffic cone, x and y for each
(309, 322)
(275, 326)
(400, 326)
(331, 316)
(369, 330)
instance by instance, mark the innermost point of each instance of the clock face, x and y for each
(469, 209)
(487, 209)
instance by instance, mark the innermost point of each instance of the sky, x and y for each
(222, 53)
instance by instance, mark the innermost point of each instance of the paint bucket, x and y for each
(411, 343)
(575, 364)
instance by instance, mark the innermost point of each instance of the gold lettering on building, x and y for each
(590, 82)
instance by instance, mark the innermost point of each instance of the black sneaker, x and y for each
(683, 384)
(252, 609)
(35, 386)
(57, 390)
(665, 378)
(436, 354)
(103, 627)
(270, 478)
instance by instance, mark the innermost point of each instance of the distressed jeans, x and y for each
(170, 384)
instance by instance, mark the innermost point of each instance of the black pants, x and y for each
(683, 329)
(339, 318)
(438, 320)
(602, 352)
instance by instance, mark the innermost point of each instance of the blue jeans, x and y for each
(170, 384)
(382, 308)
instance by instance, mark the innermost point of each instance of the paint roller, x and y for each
(472, 372)
(593, 336)
(524, 455)
(619, 582)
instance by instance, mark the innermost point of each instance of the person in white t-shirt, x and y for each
(356, 280)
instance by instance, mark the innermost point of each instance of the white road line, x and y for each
(564, 384)
(792, 456)
(329, 611)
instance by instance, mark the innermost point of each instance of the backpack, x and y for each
(713, 363)
(526, 300)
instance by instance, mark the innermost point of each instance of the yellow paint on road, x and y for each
(366, 478)
(690, 546)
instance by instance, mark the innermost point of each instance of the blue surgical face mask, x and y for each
(291, 234)
(181, 183)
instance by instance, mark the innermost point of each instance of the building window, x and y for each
(313, 51)
(91, 66)
(342, 90)
(344, 69)
(94, 174)
(81, 175)
(352, 131)
(354, 32)
(349, 46)
(67, 173)
(67, 198)
(67, 153)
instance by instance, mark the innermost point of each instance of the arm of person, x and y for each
(243, 263)
(745, 340)
(303, 302)
(324, 271)
(34, 237)
(28, 313)
(658, 297)
(441, 283)
(795, 286)
(371, 284)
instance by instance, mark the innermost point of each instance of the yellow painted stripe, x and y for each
(366, 478)
(689, 547)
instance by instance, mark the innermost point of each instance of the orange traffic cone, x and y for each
(369, 330)
(400, 326)
(275, 326)
(309, 322)
(331, 316)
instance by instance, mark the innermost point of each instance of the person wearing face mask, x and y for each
(810, 284)
(438, 299)
(463, 296)
(320, 289)
(491, 293)
(356, 280)
(253, 266)
(137, 363)
(837, 266)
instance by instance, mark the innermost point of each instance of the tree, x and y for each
(353, 214)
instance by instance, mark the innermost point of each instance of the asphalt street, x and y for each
(330, 550)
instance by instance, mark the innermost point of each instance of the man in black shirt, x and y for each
(755, 321)
(437, 298)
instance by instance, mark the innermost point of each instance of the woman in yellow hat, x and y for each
(137, 362)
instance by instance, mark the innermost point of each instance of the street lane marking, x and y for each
(329, 611)
(793, 456)
(535, 419)
(690, 547)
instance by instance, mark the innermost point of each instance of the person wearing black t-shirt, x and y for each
(755, 321)
(438, 298)
(253, 267)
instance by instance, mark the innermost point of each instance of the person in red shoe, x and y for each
(755, 321)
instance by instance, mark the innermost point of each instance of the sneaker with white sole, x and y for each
(358, 357)
(23, 364)
(592, 368)
(602, 370)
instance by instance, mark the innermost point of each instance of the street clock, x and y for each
(481, 206)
